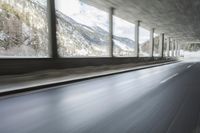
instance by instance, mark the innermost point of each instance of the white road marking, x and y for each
(142, 77)
(189, 66)
(164, 81)
(150, 73)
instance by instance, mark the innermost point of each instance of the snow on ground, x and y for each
(3, 36)
(20, 52)
(121, 45)
(190, 56)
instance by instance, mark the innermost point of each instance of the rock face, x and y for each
(24, 32)
(23, 28)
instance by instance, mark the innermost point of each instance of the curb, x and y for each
(49, 86)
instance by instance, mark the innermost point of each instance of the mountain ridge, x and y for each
(73, 38)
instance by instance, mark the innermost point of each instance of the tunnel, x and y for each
(99, 66)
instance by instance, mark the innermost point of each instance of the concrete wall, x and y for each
(20, 66)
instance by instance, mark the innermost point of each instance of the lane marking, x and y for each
(150, 73)
(189, 66)
(143, 77)
(171, 77)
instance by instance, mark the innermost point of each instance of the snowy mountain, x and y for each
(24, 32)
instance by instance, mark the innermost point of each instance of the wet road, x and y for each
(164, 99)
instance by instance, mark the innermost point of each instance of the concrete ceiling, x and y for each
(176, 18)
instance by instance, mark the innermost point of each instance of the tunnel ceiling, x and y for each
(175, 18)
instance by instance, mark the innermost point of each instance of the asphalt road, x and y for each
(163, 99)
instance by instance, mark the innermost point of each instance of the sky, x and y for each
(83, 13)
(144, 35)
(123, 28)
(91, 16)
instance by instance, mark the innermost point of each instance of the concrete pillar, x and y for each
(176, 48)
(173, 42)
(179, 50)
(111, 48)
(53, 48)
(161, 45)
(168, 46)
(137, 45)
(152, 43)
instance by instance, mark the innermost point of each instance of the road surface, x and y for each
(164, 99)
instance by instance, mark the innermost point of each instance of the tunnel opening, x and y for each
(190, 52)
